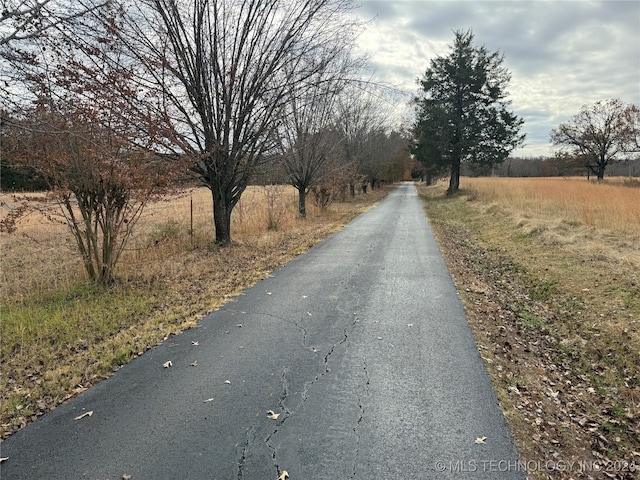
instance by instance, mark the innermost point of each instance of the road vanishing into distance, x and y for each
(361, 349)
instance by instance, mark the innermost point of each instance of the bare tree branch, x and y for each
(25, 19)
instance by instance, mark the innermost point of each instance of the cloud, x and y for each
(562, 54)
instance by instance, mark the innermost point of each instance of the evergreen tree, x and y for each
(463, 115)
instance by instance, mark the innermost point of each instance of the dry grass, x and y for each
(61, 335)
(610, 206)
(549, 272)
(41, 256)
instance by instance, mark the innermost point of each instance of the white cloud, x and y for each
(562, 54)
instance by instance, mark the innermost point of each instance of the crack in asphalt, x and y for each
(362, 410)
(243, 456)
(285, 391)
(286, 412)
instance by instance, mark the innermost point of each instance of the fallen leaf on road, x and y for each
(167, 364)
(3, 459)
(239, 325)
(272, 415)
(126, 476)
(194, 364)
(284, 475)
(208, 400)
(228, 382)
(480, 440)
(86, 414)
(195, 344)
(409, 324)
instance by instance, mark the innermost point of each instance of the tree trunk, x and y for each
(302, 202)
(352, 190)
(454, 181)
(221, 218)
(428, 179)
(601, 167)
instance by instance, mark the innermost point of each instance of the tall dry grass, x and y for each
(611, 206)
(41, 256)
(602, 219)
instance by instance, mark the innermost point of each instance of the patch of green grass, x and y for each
(71, 318)
(543, 289)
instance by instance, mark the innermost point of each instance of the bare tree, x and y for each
(632, 117)
(307, 117)
(359, 121)
(24, 19)
(223, 69)
(602, 133)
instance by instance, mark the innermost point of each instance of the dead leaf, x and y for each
(85, 414)
(409, 324)
(167, 364)
(194, 364)
(480, 440)
(3, 459)
(195, 344)
(284, 475)
(228, 382)
(126, 476)
(272, 415)
(239, 325)
(208, 400)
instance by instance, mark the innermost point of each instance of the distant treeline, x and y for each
(20, 179)
(16, 179)
(552, 167)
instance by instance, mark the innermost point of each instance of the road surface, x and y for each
(361, 346)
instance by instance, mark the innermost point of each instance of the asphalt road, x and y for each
(361, 345)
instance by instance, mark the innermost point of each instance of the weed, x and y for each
(169, 230)
(543, 289)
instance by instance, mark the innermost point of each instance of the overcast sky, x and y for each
(561, 54)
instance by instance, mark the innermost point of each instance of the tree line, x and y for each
(110, 103)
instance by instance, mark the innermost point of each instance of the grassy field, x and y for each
(549, 272)
(60, 335)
